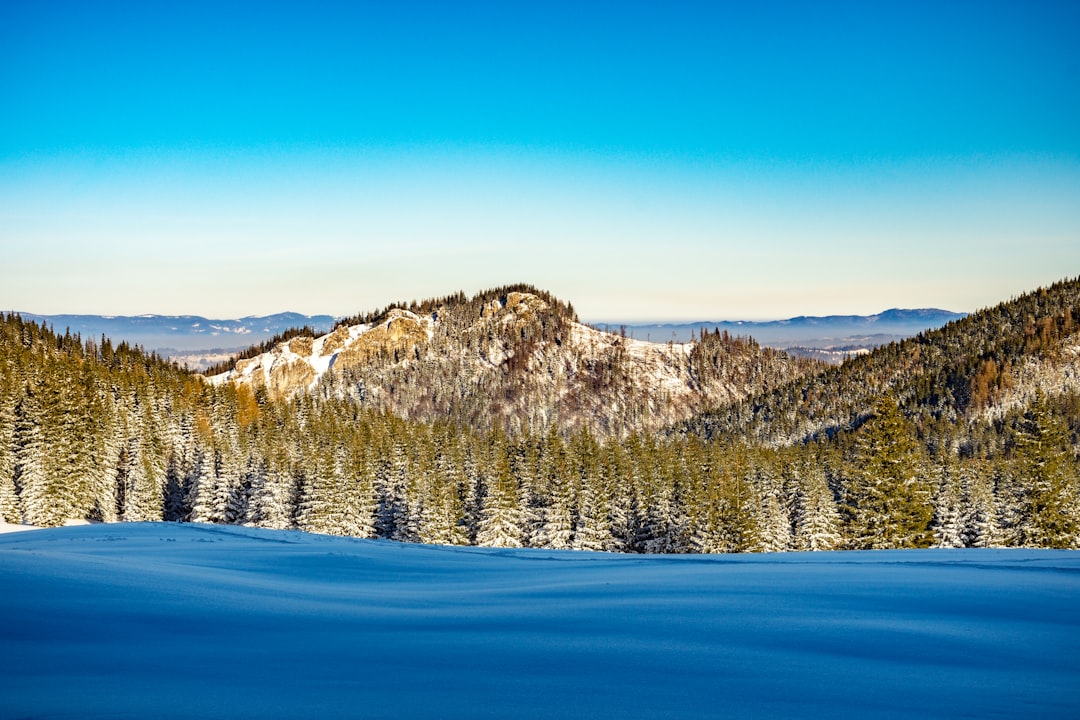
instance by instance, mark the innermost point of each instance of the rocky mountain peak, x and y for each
(517, 359)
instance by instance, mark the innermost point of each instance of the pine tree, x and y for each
(393, 477)
(338, 497)
(443, 521)
(622, 483)
(112, 436)
(888, 499)
(318, 494)
(593, 513)
(817, 519)
(501, 517)
(949, 503)
(9, 499)
(31, 455)
(982, 520)
(666, 526)
(1048, 480)
(141, 497)
(726, 518)
(201, 488)
(775, 524)
(557, 520)
(594, 528)
(273, 492)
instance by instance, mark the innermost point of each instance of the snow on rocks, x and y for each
(299, 363)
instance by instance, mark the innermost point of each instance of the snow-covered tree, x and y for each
(1047, 480)
(501, 516)
(9, 499)
(949, 506)
(817, 519)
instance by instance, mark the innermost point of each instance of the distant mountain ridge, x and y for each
(819, 332)
(184, 337)
(182, 332)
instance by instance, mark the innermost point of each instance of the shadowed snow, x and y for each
(166, 620)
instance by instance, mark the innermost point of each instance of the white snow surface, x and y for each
(184, 620)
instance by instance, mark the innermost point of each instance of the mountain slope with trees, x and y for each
(515, 357)
(978, 368)
(93, 431)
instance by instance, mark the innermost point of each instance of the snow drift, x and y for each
(166, 620)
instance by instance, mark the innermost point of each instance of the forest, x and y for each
(960, 437)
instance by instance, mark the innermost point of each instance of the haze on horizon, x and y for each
(645, 162)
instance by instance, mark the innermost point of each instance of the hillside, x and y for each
(177, 621)
(973, 371)
(515, 357)
(101, 433)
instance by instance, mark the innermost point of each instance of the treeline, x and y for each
(465, 307)
(91, 431)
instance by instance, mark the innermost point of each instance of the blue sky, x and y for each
(642, 160)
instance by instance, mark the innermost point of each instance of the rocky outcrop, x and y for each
(302, 346)
(394, 337)
(298, 364)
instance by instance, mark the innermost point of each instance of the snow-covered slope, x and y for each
(299, 363)
(517, 360)
(164, 620)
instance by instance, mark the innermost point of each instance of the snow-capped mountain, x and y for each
(515, 356)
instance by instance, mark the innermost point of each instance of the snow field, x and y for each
(166, 620)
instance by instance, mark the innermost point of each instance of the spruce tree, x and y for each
(593, 528)
(9, 499)
(201, 489)
(817, 521)
(776, 523)
(501, 517)
(31, 455)
(727, 509)
(949, 506)
(1047, 480)
(983, 518)
(557, 530)
(888, 497)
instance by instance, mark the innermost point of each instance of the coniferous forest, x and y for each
(965, 436)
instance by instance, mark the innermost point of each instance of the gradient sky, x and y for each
(644, 161)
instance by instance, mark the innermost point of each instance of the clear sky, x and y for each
(645, 161)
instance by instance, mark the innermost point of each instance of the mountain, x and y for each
(976, 368)
(500, 420)
(831, 338)
(176, 335)
(516, 357)
(201, 343)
